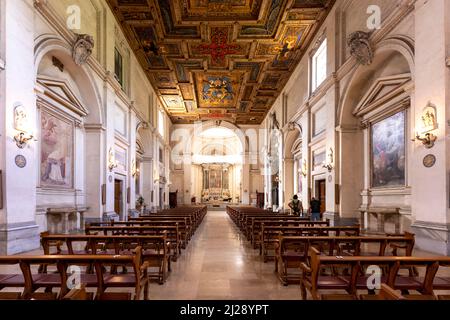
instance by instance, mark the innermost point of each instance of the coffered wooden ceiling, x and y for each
(219, 59)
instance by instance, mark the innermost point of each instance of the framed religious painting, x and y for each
(388, 159)
(56, 151)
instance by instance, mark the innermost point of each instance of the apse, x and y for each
(217, 166)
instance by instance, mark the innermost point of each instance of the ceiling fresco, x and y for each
(219, 59)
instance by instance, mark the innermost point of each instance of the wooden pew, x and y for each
(270, 235)
(183, 228)
(102, 280)
(386, 293)
(80, 294)
(171, 232)
(258, 224)
(155, 250)
(315, 281)
(291, 252)
(253, 224)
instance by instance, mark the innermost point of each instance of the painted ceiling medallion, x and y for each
(221, 59)
(219, 47)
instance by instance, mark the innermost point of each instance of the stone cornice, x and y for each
(350, 64)
(93, 127)
(70, 37)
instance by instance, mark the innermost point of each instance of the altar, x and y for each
(216, 184)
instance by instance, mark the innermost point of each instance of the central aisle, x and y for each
(220, 264)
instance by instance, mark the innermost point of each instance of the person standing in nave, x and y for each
(296, 206)
(314, 209)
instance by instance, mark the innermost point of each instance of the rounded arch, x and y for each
(51, 45)
(145, 138)
(393, 56)
(204, 126)
(227, 144)
(401, 45)
(291, 140)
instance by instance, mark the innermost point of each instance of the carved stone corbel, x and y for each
(82, 49)
(360, 47)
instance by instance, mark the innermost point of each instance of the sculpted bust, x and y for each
(82, 48)
(360, 47)
(20, 118)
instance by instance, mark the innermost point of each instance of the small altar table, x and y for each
(382, 215)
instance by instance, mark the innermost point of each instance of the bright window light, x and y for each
(319, 65)
(161, 122)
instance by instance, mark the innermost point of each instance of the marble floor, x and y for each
(219, 264)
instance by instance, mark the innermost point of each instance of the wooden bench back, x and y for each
(63, 262)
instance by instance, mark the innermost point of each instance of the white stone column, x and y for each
(288, 180)
(246, 180)
(95, 166)
(430, 186)
(187, 168)
(18, 229)
(109, 145)
(147, 180)
(132, 150)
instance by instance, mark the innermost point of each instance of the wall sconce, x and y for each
(112, 163)
(21, 139)
(134, 170)
(21, 125)
(428, 140)
(304, 169)
(329, 166)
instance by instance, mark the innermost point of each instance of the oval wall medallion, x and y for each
(20, 161)
(330, 178)
(110, 178)
(429, 161)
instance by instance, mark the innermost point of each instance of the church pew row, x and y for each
(235, 213)
(197, 213)
(177, 231)
(270, 235)
(100, 279)
(291, 252)
(155, 249)
(256, 234)
(316, 282)
(253, 224)
(171, 233)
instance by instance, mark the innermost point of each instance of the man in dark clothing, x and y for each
(314, 209)
(296, 206)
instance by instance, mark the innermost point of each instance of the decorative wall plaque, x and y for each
(110, 178)
(330, 178)
(429, 161)
(360, 47)
(429, 118)
(82, 48)
(20, 161)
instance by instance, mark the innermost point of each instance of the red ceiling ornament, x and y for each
(219, 47)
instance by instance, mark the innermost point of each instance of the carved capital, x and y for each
(360, 47)
(82, 48)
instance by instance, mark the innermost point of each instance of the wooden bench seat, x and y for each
(315, 282)
(171, 233)
(290, 252)
(155, 250)
(31, 282)
(270, 236)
